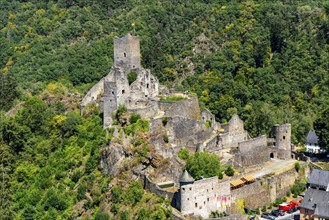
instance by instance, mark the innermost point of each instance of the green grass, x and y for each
(172, 98)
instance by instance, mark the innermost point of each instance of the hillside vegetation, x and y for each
(266, 60)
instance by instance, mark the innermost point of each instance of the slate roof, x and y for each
(322, 210)
(316, 200)
(319, 177)
(312, 138)
(186, 178)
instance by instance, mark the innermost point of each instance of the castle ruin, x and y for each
(129, 84)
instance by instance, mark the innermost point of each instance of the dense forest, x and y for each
(267, 60)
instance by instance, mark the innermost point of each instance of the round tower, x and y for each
(282, 136)
(186, 193)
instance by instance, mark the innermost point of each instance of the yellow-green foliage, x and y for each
(142, 125)
(172, 98)
(240, 205)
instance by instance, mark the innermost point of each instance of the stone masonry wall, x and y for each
(253, 144)
(188, 108)
(187, 132)
(265, 190)
(93, 93)
(204, 196)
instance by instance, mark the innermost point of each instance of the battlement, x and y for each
(127, 52)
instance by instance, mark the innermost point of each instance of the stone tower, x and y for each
(186, 204)
(282, 136)
(138, 96)
(127, 52)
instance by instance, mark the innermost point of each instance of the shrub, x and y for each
(165, 138)
(134, 193)
(81, 192)
(124, 215)
(229, 171)
(164, 121)
(121, 109)
(134, 118)
(132, 76)
(183, 154)
(115, 208)
(207, 124)
(297, 166)
(264, 209)
(116, 193)
(101, 216)
(172, 98)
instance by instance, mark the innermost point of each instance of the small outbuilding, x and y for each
(312, 142)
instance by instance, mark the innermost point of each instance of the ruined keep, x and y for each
(119, 89)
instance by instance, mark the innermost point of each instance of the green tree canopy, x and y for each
(321, 126)
(203, 164)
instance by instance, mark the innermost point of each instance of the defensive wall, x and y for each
(251, 152)
(265, 189)
(186, 108)
(93, 94)
(205, 195)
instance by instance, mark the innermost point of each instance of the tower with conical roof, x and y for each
(185, 202)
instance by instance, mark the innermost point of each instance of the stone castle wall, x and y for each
(186, 132)
(253, 144)
(93, 94)
(233, 133)
(251, 152)
(187, 108)
(146, 112)
(265, 190)
(204, 196)
(212, 144)
(208, 116)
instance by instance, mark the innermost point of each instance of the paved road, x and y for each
(293, 216)
(274, 166)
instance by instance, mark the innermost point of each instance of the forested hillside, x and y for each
(266, 60)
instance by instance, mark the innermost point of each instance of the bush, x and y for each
(172, 98)
(81, 192)
(297, 166)
(116, 193)
(165, 138)
(207, 124)
(297, 189)
(115, 208)
(229, 171)
(101, 216)
(134, 118)
(134, 193)
(264, 209)
(121, 109)
(183, 154)
(164, 121)
(124, 215)
(132, 76)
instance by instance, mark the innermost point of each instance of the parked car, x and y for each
(277, 213)
(267, 215)
(252, 217)
(292, 210)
